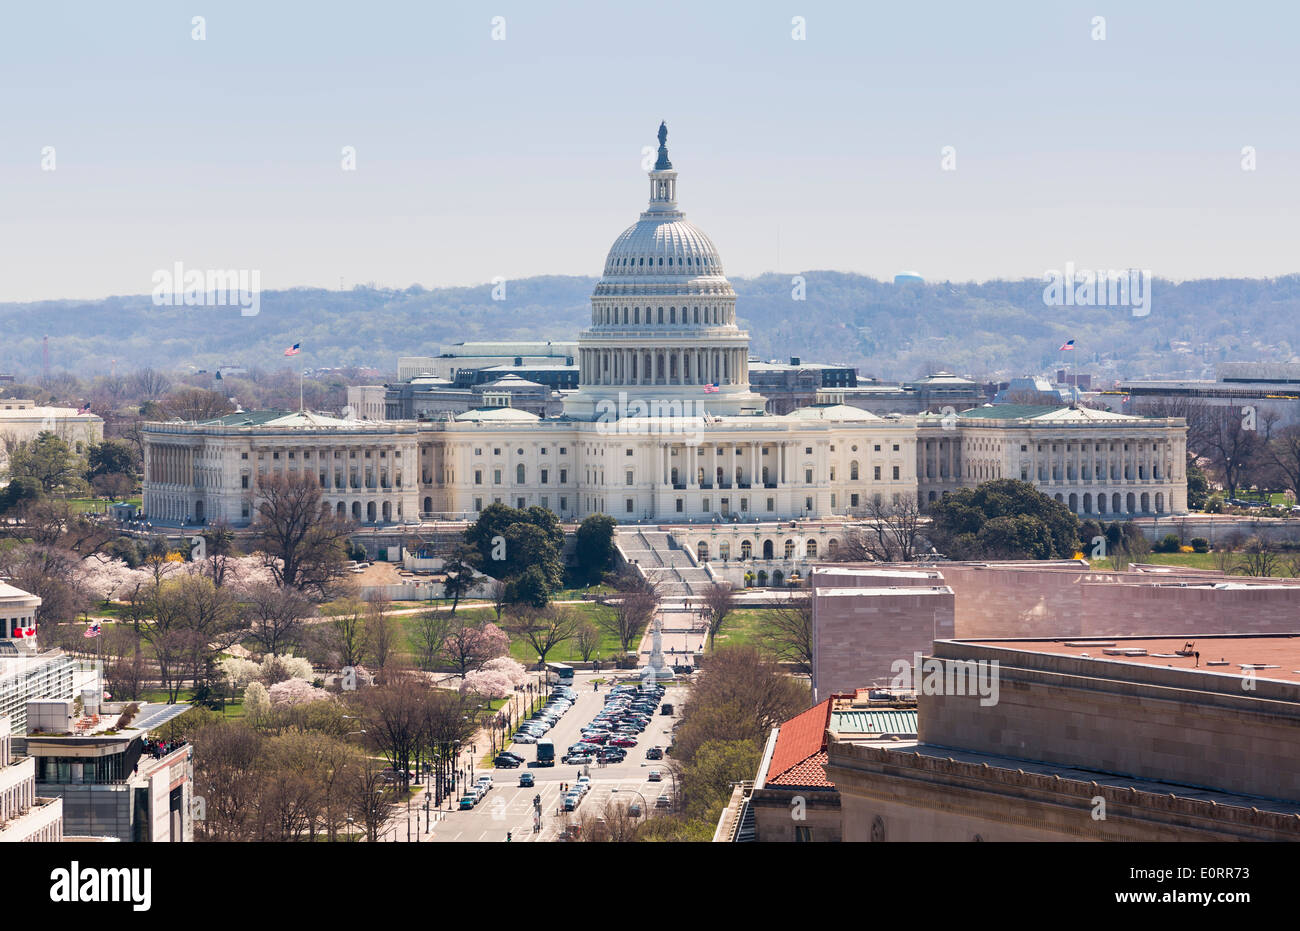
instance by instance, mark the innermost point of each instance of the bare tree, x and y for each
(631, 609)
(274, 615)
(544, 629)
(788, 630)
(431, 631)
(1284, 455)
(1259, 558)
(196, 404)
(350, 631)
(301, 541)
(587, 639)
(719, 604)
(382, 635)
(890, 533)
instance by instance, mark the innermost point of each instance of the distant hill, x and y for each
(886, 329)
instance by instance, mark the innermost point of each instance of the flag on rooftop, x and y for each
(711, 388)
(292, 350)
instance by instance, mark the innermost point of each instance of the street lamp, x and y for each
(645, 807)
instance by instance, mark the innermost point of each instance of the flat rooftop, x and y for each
(1269, 656)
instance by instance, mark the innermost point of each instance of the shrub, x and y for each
(1170, 544)
(1200, 545)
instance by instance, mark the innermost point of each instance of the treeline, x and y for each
(894, 331)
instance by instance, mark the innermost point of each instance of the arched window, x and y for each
(724, 550)
(832, 545)
(789, 549)
(811, 549)
(769, 549)
(747, 548)
(702, 551)
(853, 470)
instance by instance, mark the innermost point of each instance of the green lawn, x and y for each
(608, 649)
(234, 707)
(743, 626)
(1185, 560)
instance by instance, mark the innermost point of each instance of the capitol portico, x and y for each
(664, 426)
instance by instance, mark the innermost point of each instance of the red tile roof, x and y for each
(800, 751)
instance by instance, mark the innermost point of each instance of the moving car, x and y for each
(526, 780)
(507, 761)
(663, 801)
(655, 753)
(655, 776)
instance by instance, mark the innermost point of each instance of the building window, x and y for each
(478, 476)
(564, 476)
(876, 473)
(807, 504)
(564, 504)
(853, 501)
(563, 451)
(478, 504)
(519, 474)
(630, 504)
(771, 504)
(243, 481)
(807, 476)
(895, 472)
(496, 476)
(803, 835)
(680, 505)
(243, 455)
(629, 476)
(628, 453)
(545, 475)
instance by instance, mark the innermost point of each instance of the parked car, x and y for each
(507, 761)
(467, 801)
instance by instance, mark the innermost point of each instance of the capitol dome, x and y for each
(659, 244)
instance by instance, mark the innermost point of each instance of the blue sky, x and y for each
(478, 158)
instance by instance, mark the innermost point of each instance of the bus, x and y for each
(545, 753)
(559, 674)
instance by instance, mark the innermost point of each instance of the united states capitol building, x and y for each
(664, 427)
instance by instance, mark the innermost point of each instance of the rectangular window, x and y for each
(807, 504)
(478, 476)
(244, 509)
(853, 501)
(876, 473)
(563, 451)
(680, 505)
(771, 504)
(546, 502)
(629, 476)
(807, 476)
(496, 476)
(478, 504)
(706, 504)
(629, 452)
(519, 503)
(545, 475)
(478, 450)
(564, 504)
(895, 472)
(564, 476)
(744, 504)
(243, 481)
(630, 504)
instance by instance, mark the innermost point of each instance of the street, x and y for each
(509, 807)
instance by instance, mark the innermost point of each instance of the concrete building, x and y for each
(25, 815)
(792, 800)
(790, 386)
(664, 423)
(1271, 388)
(457, 357)
(1096, 463)
(1123, 739)
(210, 471)
(366, 402)
(114, 779)
(427, 398)
(22, 420)
(939, 393)
(867, 618)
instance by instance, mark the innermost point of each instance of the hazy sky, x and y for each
(477, 158)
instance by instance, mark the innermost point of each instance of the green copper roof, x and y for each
(887, 721)
(1011, 411)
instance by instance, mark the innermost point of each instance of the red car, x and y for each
(623, 742)
(596, 739)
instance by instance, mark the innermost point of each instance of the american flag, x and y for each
(92, 630)
(84, 409)
(292, 350)
(1069, 344)
(711, 389)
